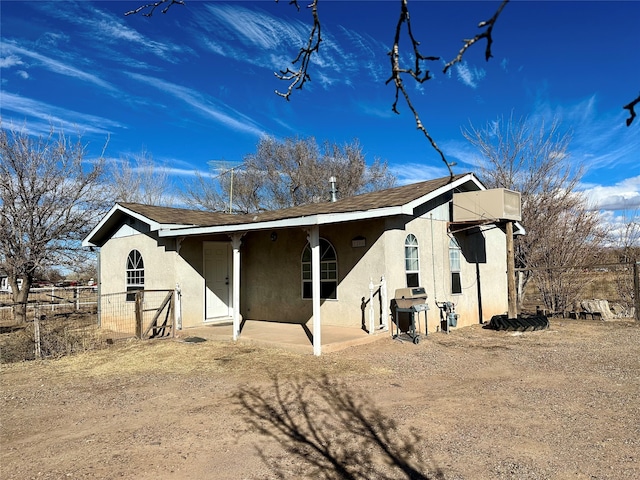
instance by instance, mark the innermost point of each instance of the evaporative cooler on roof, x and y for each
(482, 205)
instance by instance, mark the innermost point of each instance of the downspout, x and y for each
(479, 288)
(433, 261)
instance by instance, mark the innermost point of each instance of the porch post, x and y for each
(314, 243)
(385, 304)
(512, 306)
(236, 241)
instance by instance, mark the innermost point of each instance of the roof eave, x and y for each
(439, 191)
(107, 222)
(301, 222)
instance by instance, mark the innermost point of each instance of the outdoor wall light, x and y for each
(274, 236)
(358, 242)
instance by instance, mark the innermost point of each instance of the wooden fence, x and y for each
(52, 301)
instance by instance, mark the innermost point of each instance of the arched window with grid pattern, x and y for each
(134, 274)
(328, 271)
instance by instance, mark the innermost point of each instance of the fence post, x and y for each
(139, 301)
(177, 310)
(636, 289)
(36, 332)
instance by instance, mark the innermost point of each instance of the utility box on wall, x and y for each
(492, 204)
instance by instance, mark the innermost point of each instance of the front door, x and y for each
(217, 274)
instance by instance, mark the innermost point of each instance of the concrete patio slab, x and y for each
(288, 336)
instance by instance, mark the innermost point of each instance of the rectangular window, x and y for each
(131, 293)
(454, 266)
(456, 285)
(413, 280)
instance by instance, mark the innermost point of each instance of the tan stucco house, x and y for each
(312, 264)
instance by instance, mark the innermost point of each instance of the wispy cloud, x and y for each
(39, 117)
(369, 52)
(599, 139)
(204, 105)
(104, 28)
(407, 173)
(375, 110)
(249, 36)
(10, 61)
(55, 66)
(468, 75)
(260, 39)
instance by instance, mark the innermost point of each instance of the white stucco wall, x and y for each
(163, 269)
(271, 285)
(271, 282)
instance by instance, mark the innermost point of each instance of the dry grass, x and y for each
(58, 337)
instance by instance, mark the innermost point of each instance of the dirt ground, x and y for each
(562, 403)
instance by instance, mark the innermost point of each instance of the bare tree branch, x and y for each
(632, 112)
(151, 7)
(416, 73)
(298, 78)
(138, 179)
(486, 34)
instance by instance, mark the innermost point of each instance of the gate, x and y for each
(142, 314)
(162, 319)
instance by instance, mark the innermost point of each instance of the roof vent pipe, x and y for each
(334, 191)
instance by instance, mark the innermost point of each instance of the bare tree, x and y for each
(203, 193)
(292, 172)
(227, 188)
(628, 234)
(50, 196)
(137, 179)
(625, 244)
(562, 230)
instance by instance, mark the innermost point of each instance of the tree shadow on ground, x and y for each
(328, 432)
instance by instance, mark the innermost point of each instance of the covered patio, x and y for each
(293, 337)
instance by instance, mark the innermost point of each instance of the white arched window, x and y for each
(454, 266)
(135, 274)
(328, 271)
(411, 261)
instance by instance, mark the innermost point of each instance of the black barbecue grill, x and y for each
(410, 300)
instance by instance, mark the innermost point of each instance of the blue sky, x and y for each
(197, 84)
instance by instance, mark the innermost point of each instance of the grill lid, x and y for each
(408, 297)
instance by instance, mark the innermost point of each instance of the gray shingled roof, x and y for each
(391, 197)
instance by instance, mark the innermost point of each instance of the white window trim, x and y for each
(132, 287)
(454, 246)
(417, 248)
